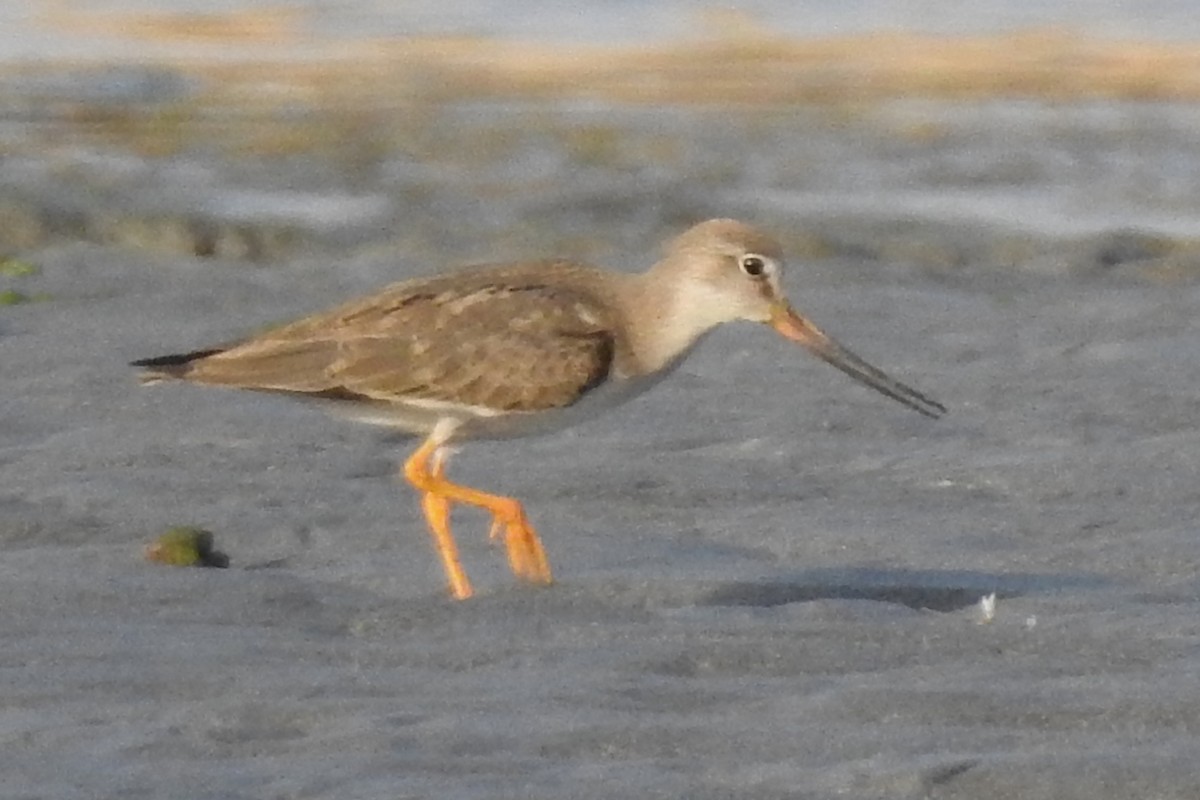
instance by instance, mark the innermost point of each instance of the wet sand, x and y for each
(769, 577)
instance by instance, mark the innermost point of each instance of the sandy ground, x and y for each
(769, 577)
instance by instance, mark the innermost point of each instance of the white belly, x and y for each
(419, 417)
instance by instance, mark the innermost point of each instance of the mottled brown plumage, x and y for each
(503, 349)
(429, 339)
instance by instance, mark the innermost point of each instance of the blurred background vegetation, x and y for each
(253, 133)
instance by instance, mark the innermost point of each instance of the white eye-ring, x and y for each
(755, 265)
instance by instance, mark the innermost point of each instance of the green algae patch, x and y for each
(16, 268)
(185, 546)
(12, 297)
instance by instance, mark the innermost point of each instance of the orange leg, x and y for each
(437, 514)
(424, 470)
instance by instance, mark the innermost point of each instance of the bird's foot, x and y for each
(526, 557)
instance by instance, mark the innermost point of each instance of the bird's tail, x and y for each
(170, 367)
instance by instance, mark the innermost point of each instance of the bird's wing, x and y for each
(505, 345)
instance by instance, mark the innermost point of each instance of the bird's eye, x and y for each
(753, 265)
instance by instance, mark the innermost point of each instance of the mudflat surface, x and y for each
(769, 577)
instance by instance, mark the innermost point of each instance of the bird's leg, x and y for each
(424, 469)
(437, 513)
(526, 557)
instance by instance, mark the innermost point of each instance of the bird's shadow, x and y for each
(931, 590)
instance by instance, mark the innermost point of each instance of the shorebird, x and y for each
(504, 350)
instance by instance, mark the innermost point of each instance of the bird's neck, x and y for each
(673, 316)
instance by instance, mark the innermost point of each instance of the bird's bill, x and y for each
(792, 326)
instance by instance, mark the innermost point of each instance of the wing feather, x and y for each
(508, 345)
